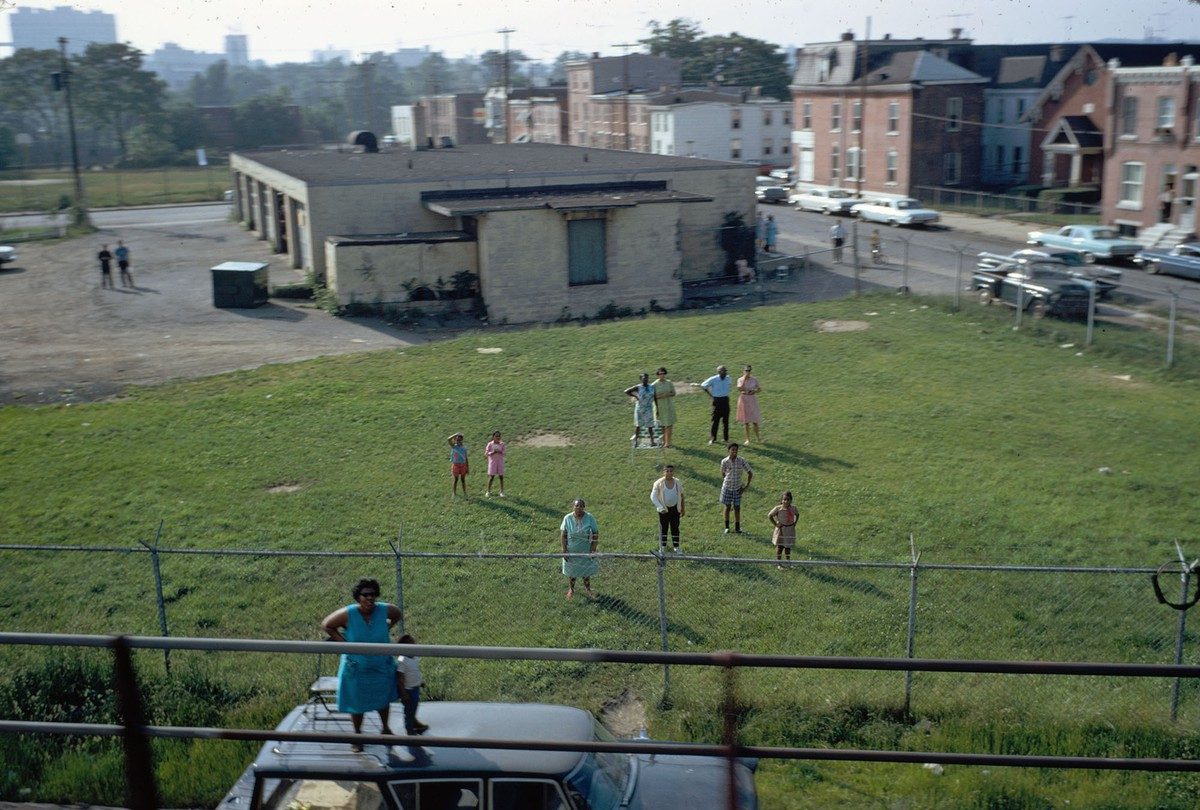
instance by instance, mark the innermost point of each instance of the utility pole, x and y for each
(625, 59)
(504, 80)
(80, 211)
(862, 110)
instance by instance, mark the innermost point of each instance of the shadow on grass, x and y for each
(798, 457)
(532, 506)
(750, 573)
(833, 580)
(617, 605)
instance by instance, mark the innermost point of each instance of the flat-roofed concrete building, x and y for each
(545, 231)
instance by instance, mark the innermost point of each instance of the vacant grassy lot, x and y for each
(42, 190)
(983, 444)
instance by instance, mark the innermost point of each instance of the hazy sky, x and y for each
(289, 30)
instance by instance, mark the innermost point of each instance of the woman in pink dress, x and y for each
(747, 404)
(495, 459)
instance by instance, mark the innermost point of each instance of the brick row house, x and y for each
(910, 122)
(601, 101)
(531, 114)
(1152, 165)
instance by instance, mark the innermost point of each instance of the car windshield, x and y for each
(840, 194)
(1104, 233)
(904, 204)
(1046, 271)
(601, 777)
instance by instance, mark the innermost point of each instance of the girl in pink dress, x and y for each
(747, 405)
(495, 460)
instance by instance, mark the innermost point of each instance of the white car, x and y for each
(902, 211)
(825, 200)
(7, 254)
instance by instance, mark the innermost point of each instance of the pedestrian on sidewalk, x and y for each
(772, 231)
(837, 235)
(122, 254)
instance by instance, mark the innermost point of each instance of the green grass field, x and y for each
(113, 187)
(982, 443)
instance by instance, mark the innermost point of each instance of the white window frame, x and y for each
(1165, 114)
(893, 118)
(835, 116)
(835, 165)
(735, 148)
(856, 115)
(1128, 116)
(855, 164)
(806, 114)
(893, 167)
(954, 111)
(1132, 188)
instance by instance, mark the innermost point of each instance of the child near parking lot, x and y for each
(408, 681)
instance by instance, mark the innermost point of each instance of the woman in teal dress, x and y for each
(366, 683)
(643, 408)
(579, 535)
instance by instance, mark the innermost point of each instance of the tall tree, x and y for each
(558, 70)
(492, 63)
(678, 39)
(211, 88)
(113, 92)
(27, 98)
(732, 59)
(265, 121)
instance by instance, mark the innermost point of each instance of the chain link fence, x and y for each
(503, 597)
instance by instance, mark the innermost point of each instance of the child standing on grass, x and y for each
(458, 464)
(495, 463)
(783, 517)
(409, 682)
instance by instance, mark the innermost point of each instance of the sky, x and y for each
(290, 30)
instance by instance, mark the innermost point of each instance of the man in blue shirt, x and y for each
(717, 387)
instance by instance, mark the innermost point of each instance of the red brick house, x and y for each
(908, 125)
(1152, 163)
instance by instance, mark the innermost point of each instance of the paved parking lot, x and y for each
(63, 339)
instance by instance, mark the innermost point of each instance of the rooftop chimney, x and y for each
(955, 33)
(848, 36)
(1057, 52)
(595, 54)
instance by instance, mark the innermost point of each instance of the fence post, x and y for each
(158, 593)
(399, 575)
(1091, 312)
(854, 251)
(664, 642)
(912, 623)
(1171, 331)
(140, 790)
(729, 712)
(958, 269)
(1181, 631)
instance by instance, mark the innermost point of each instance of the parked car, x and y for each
(825, 200)
(7, 254)
(1181, 260)
(771, 194)
(902, 211)
(1091, 242)
(303, 774)
(1106, 279)
(1039, 287)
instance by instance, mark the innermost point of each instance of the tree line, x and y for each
(127, 116)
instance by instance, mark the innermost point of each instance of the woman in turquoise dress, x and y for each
(643, 408)
(579, 535)
(366, 683)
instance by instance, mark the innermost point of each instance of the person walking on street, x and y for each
(837, 235)
(105, 268)
(122, 254)
(732, 487)
(772, 232)
(667, 496)
(717, 387)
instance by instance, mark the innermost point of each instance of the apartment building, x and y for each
(754, 129)
(606, 98)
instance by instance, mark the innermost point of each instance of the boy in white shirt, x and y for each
(408, 680)
(667, 497)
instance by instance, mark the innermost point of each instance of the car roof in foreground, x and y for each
(463, 720)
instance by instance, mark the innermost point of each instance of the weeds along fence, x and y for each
(984, 203)
(1153, 322)
(914, 609)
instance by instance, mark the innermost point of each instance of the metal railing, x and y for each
(136, 733)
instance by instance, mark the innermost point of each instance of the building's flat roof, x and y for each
(558, 198)
(469, 162)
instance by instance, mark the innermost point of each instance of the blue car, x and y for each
(1092, 242)
(1181, 260)
(315, 774)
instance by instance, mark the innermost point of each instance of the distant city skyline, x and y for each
(543, 28)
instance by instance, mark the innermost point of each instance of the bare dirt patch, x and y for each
(626, 716)
(842, 326)
(490, 350)
(287, 486)
(544, 439)
(683, 389)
